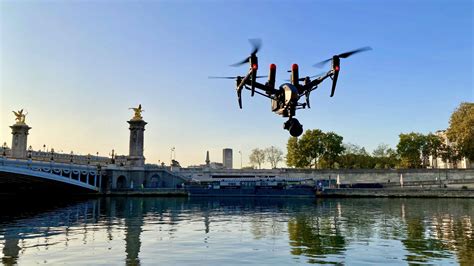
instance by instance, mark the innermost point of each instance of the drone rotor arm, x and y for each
(260, 93)
(314, 83)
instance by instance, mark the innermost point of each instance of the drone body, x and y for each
(285, 99)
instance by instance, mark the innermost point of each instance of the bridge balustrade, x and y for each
(85, 174)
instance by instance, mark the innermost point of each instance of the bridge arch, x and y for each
(122, 182)
(156, 181)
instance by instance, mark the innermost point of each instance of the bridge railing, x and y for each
(86, 174)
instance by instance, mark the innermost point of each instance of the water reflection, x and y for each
(234, 231)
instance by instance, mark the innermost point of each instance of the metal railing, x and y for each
(72, 173)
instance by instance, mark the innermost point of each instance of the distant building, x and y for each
(439, 163)
(227, 158)
(208, 164)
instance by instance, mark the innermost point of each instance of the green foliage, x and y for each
(257, 157)
(314, 148)
(409, 148)
(461, 129)
(381, 150)
(385, 157)
(415, 148)
(333, 148)
(293, 158)
(433, 145)
(450, 153)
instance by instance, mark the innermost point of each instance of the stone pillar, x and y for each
(135, 156)
(19, 140)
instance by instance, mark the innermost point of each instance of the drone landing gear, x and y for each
(294, 126)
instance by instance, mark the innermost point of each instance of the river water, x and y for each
(259, 231)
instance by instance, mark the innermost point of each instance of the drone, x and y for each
(286, 99)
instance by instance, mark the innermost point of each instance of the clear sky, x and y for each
(77, 66)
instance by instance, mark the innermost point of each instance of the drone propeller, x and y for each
(256, 44)
(344, 55)
(236, 77)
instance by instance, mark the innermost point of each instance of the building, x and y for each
(227, 158)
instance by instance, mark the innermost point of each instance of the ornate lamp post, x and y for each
(99, 175)
(112, 159)
(171, 155)
(4, 147)
(88, 158)
(52, 154)
(240, 152)
(30, 151)
(71, 157)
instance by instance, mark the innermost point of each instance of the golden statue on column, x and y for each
(20, 117)
(138, 112)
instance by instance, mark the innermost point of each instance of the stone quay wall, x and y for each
(398, 192)
(346, 176)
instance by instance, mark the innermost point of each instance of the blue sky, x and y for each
(77, 66)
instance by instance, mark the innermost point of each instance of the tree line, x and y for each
(318, 149)
(271, 154)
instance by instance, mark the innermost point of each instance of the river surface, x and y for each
(258, 231)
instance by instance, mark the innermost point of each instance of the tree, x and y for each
(293, 154)
(449, 154)
(333, 148)
(257, 157)
(409, 148)
(433, 146)
(350, 148)
(461, 129)
(274, 155)
(355, 157)
(311, 147)
(314, 148)
(381, 150)
(385, 157)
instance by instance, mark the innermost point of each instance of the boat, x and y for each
(254, 187)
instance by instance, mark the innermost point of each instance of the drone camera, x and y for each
(294, 126)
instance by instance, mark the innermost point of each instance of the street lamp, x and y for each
(30, 150)
(52, 154)
(171, 156)
(240, 152)
(112, 160)
(97, 157)
(71, 156)
(88, 158)
(4, 147)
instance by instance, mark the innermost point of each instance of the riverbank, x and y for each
(149, 193)
(407, 192)
(412, 192)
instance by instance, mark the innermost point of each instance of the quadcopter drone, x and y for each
(285, 99)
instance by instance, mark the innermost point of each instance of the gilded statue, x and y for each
(20, 116)
(138, 112)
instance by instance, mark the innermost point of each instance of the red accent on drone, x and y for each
(336, 68)
(255, 66)
(273, 66)
(294, 67)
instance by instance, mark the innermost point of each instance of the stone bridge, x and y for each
(19, 175)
